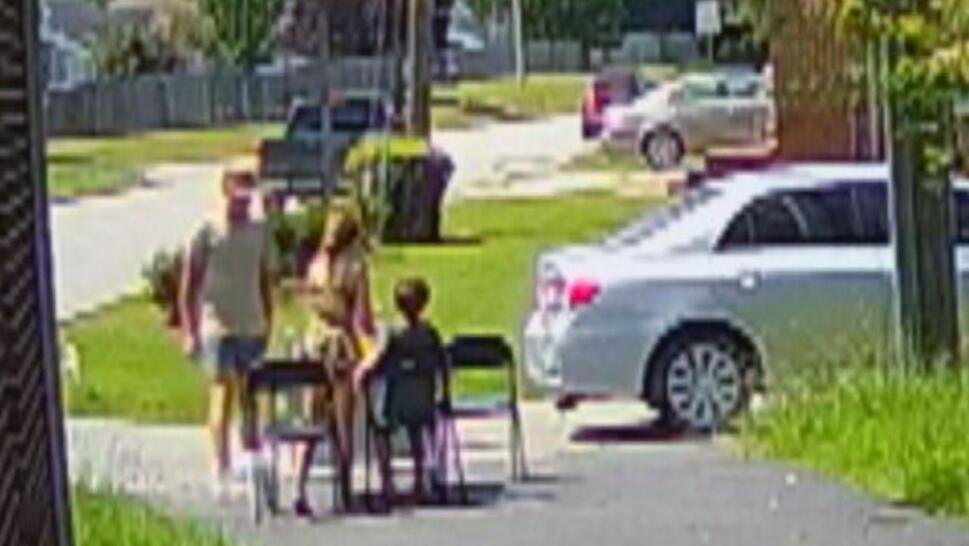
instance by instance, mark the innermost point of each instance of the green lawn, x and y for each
(81, 166)
(601, 160)
(102, 519)
(131, 367)
(505, 99)
(900, 436)
(451, 117)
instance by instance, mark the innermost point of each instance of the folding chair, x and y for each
(487, 353)
(277, 377)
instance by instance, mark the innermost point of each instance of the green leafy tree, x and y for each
(763, 16)
(927, 68)
(592, 23)
(354, 28)
(175, 38)
(241, 30)
(483, 9)
(132, 50)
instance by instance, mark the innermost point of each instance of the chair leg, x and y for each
(439, 454)
(519, 469)
(274, 478)
(368, 462)
(452, 434)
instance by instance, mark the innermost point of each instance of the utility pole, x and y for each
(925, 282)
(419, 96)
(519, 41)
(328, 176)
(246, 60)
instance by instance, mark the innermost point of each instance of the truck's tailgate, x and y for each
(287, 159)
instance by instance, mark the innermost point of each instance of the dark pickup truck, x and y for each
(308, 159)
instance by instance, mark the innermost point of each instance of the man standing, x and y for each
(226, 302)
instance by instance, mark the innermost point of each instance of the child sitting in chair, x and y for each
(407, 381)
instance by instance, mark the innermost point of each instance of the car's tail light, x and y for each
(600, 95)
(551, 293)
(582, 292)
(557, 292)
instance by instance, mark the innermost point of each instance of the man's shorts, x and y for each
(232, 355)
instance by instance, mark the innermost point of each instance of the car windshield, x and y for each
(746, 86)
(656, 221)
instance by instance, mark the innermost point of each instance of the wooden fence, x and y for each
(120, 106)
(172, 101)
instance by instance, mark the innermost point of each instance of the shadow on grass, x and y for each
(69, 159)
(446, 241)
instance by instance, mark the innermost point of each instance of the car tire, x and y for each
(662, 149)
(704, 381)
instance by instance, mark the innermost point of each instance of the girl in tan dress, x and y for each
(338, 293)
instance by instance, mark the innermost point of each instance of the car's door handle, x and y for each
(749, 280)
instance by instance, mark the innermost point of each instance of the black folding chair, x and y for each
(487, 353)
(277, 377)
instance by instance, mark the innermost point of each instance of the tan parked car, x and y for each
(691, 113)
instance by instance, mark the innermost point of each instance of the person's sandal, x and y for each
(303, 510)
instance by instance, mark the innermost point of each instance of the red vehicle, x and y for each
(613, 86)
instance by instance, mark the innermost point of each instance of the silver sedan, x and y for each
(692, 113)
(695, 306)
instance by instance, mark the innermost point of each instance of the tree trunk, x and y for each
(586, 54)
(926, 281)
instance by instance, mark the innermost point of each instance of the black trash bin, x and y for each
(415, 197)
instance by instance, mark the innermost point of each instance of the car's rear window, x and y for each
(356, 115)
(660, 219)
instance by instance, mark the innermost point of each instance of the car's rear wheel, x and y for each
(662, 149)
(703, 381)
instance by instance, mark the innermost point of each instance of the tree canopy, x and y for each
(593, 23)
(933, 36)
(241, 30)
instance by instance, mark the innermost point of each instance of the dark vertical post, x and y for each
(419, 103)
(519, 36)
(926, 282)
(33, 476)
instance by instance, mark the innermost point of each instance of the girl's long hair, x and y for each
(342, 232)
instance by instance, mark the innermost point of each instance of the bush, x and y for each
(162, 277)
(297, 235)
(398, 185)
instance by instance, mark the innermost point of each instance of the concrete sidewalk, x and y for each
(600, 476)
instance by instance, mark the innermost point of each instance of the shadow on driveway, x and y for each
(634, 433)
